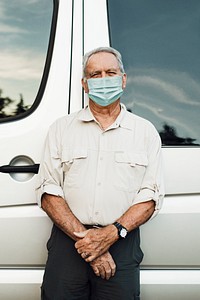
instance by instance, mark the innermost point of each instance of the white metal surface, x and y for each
(171, 240)
(26, 136)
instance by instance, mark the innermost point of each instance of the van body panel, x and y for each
(23, 230)
(182, 165)
(162, 240)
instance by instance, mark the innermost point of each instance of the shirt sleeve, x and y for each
(50, 176)
(152, 187)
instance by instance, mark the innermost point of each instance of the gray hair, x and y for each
(103, 49)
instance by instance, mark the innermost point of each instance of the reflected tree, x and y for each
(10, 107)
(169, 137)
(21, 108)
(4, 102)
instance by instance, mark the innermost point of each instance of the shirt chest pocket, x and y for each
(130, 169)
(74, 165)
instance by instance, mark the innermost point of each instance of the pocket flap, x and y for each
(68, 155)
(132, 158)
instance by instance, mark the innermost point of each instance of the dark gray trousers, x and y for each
(68, 277)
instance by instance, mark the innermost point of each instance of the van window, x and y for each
(160, 45)
(24, 34)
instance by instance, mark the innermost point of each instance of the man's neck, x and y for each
(107, 115)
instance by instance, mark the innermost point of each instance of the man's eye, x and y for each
(94, 75)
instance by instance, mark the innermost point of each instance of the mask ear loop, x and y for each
(123, 86)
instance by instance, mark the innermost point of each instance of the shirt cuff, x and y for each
(147, 195)
(51, 189)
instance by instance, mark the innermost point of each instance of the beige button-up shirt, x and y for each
(101, 173)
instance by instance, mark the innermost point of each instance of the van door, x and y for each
(159, 41)
(34, 91)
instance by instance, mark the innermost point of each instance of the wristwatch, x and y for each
(122, 231)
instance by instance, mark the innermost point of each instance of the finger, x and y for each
(88, 256)
(102, 272)
(108, 270)
(80, 251)
(113, 268)
(85, 255)
(96, 271)
(80, 245)
(108, 273)
(86, 249)
(91, 257)
(113, 271)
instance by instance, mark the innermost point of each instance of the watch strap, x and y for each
(120, 228)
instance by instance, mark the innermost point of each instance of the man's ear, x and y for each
(85, 85)
(124, 79)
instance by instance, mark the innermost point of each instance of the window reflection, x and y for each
(159, 42)
(24, 34)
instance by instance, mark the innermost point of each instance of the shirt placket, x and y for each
(101, 165)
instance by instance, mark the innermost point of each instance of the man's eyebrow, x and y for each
(112, 69)
(93, 72)
(99, 71)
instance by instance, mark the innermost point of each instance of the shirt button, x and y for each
(101, 158)
(96, 213)
(99, 183)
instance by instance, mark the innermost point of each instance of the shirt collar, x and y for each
(123, 120)
(86, 115)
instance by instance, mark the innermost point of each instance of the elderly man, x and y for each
(99, 180)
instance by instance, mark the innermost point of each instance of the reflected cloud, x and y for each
(165, 97)
(164, 118)
(4, 28)
(174, 91)
(2, 11)
(26, 2)
(24, 32)
(17, 65)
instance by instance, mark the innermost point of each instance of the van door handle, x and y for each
(20, 169)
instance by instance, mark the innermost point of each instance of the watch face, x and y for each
(123, 233)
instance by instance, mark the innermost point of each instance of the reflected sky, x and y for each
(162, 97)
(24, 35)
(160, 44)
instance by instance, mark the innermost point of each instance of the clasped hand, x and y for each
(93, 242)
(93, 245)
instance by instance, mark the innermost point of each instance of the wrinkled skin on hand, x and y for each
(104, 266)
(94, 242)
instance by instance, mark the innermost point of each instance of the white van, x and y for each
(42, 43)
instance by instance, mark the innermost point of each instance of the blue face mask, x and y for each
(105, 90)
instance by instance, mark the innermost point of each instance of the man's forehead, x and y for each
(99, 58)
